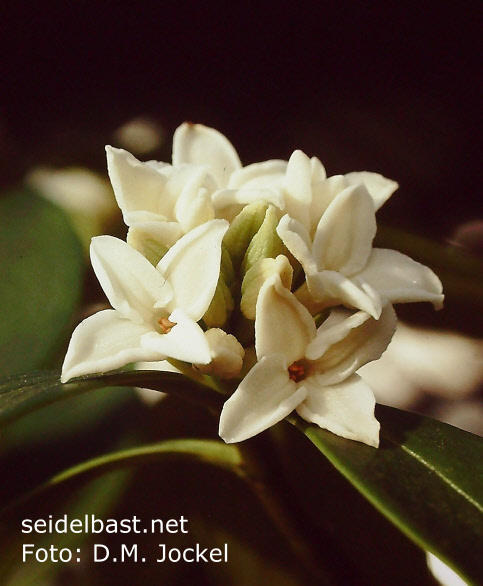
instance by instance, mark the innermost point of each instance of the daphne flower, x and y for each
(306, 369)
(298, 187)
(341, 267)
(156, 309)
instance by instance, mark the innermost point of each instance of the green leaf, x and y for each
(85, 412)
(426, 477)
(25, 393)
(212, 452)
(42, 267)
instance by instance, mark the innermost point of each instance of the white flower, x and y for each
(340, 265)
(155, 308)
(226, 355)
(285, 184)
(299, 187)
(166, 201)
(309, 370)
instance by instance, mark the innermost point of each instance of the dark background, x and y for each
(385, 87)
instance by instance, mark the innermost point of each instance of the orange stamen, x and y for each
(296, 371)
(165, 325)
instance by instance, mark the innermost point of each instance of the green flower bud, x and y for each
(242, 229)
(220, 307)
(266, 243)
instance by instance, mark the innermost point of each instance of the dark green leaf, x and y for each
(207, 451)
(22, 394)
(42, 270)
(426, 477)
(85, 412)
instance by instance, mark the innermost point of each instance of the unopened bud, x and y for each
(226, 355)
(242, 229)
(266, 243)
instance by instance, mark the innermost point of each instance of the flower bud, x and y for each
(220, 307)
(222, 303)
(226, 355)
(266, 243)
(242, 229)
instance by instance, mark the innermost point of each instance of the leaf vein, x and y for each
(444, 478)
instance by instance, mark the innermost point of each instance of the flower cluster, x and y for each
(262, 277)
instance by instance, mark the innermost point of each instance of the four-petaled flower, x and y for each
(342, 267)
(156, 309)
(312, 371)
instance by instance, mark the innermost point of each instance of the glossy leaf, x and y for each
(22, 394)
(426, 477)
(42, 270)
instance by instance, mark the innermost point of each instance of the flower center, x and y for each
(297, 371)
(165, 325)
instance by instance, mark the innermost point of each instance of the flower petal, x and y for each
(222, 198)
(298, 189)
(192, 267)
(257, 275)
(282, 325)
(103, 342)
(317, 170)
(380, 188)
(138, 187)
(131, 283)
(298, 177)
(344, 236)
(400, 279)
(194, 209)
(200, 145)
(323, 193)
(152, 239)
(186, 341)
(264, 397)
(297, 239)
(258, 175)
(345, 343)
(332, 288)
(346, 409)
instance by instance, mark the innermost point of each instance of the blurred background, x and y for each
(391, 88)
